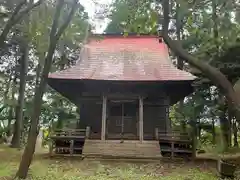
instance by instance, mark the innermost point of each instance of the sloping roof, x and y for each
(118, 58)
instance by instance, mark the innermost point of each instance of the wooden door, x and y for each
(122, 120)
(130, 120)
(114, 120)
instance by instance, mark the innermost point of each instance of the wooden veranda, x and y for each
(71, 142)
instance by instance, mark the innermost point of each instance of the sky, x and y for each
(91, 7)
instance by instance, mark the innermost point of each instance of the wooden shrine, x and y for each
(123, 88)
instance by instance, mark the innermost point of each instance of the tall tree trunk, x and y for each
(10, 112)
(215, 36)
(38, 74)
(235, 134)
(179, 60)
(16, 141)
(55, 34)
(212, 118)
(229, 121)
(11, 108)
(224, 125)
(213, 132)
(199, 129)
(10, 117)
(194, 133)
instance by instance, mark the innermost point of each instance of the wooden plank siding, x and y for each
(155, 115)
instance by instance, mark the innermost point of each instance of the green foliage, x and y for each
(37, 33)
(134, 17)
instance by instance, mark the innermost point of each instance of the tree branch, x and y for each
(26, 11)
(67, 21)
(10, 22)
(213, 73)
(218, 78)
(17, 15)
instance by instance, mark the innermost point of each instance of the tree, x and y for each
(20, 104)
(132, 16)
(16, 140)
(218, 78)
(18, 13)
(55, 35)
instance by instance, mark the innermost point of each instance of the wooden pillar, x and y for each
(104, 111)
(156, 134)
(88, 132)
(141, 118)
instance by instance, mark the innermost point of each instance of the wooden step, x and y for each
(124, 149)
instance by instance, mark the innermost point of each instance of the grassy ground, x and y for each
(77, 169)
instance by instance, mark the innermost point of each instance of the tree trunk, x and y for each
(10, 111)
(16, 141)
(34, 129)
(199, 129)
(229, 121)
(180, 61)
(194, 133)
(213, 132)
(38, 74)
(235, 134)
(213, 119)
(224, 125)
(11, 108)
(55, 34)
(10, 117)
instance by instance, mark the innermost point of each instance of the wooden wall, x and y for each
(91, 115)
(155, 115)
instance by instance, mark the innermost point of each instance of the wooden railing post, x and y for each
(156, 134)
(50, 147)
(87, 132)
(172, 149)
(141, 118)
(71, 147)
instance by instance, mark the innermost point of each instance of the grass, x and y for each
(76, 169)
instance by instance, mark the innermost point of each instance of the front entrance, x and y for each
(122, 119)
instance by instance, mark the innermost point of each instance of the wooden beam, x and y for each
(89, 98)
(140, 118)
(104, 111)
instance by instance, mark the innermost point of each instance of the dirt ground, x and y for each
(68, 168)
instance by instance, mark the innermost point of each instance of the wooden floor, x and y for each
(118, 148)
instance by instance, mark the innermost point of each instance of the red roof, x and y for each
(132, 58)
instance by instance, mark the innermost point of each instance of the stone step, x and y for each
(126, 148)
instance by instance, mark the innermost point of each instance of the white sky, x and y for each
(91, 8)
